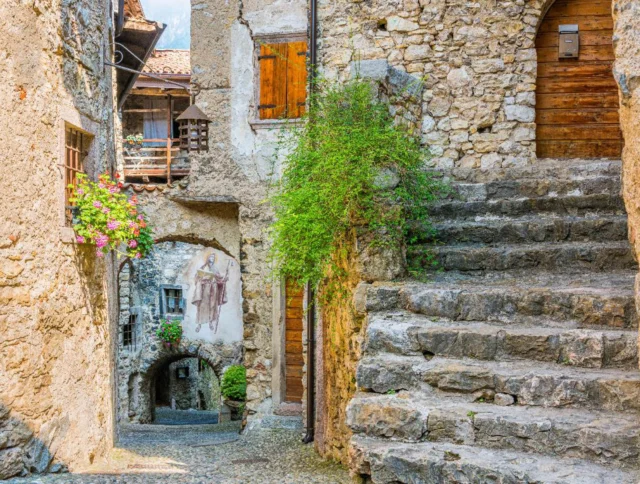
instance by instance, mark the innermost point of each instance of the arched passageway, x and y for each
(576, 93)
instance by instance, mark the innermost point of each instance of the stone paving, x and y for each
(206, 454)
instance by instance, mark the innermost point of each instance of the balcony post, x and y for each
(169, 161)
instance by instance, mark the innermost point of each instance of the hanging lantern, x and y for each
(194, 130)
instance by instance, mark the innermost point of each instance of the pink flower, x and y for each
(99, 253)
(138, 255)
(102, 240)
(101, 185)
(113, 224)
(80, 239)
(133, 225)
(113, 189)
(140, 217)
(106, 210)
(133, 244)
(97, 204)
(80, 191)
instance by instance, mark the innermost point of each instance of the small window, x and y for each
(173, 302)
(76, 148)
(283, 80)
(129, 331)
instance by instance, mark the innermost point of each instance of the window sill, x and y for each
(275, 123)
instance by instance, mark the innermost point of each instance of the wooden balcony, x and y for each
(157, 161)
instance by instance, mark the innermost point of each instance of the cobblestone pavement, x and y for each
(199, 454)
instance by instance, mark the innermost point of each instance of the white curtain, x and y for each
(155, 123)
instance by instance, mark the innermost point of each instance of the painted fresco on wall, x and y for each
(212, 288)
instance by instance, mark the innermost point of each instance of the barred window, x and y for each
(129, 332)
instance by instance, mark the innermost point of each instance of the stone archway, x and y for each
(141, 382)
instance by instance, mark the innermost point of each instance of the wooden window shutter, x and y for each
(273, 81)
(296, 79)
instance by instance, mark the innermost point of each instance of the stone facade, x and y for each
(241, 162)
(143, 357)
(56, 298)
(477, 59)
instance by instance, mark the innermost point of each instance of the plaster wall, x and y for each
(56, 298)
(241, 162)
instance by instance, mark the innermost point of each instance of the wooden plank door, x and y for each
(294, 297)
(577, 99)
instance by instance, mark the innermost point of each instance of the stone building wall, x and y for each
(240, 161)
(56, 298)
(141, 285)
(626, 70)
(477, 59)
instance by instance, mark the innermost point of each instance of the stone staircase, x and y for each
(517, 362)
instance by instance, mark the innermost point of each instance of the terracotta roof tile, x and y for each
(169, 61)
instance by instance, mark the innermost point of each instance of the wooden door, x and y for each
(294, 297)
(577, 99)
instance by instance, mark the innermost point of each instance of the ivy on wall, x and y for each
(351, 166)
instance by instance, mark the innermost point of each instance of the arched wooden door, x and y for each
(577, 99)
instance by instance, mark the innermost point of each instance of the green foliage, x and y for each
(349, 166)
(234, 383)
(169, 331)
(109, 219)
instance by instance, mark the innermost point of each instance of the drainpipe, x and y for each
(311, 366)
(311, 309)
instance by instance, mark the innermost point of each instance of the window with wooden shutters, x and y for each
(283, 79)
(76, 147)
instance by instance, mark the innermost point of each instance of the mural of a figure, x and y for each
(210, 293)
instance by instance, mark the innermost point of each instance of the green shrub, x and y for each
(333, 180)
(234, 383)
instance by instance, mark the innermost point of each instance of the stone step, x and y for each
(407, 334)
(599, 437)
(545, 169)
(578, 205)
(527, 230)
(540, 384)
(385, 462)
(592, 256)
(535, 188)
(605, 299)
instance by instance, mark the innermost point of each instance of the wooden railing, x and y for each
(154, 162)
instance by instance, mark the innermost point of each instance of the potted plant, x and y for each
(234, 390)
(134, 141)
(109, 219)
(170, 332)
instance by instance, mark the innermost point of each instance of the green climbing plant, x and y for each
(351, 166)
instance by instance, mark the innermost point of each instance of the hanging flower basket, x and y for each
(109, 219)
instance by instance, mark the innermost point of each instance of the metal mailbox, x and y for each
(568, 42)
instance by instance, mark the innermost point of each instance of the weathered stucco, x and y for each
(240, 161)
(55, 297)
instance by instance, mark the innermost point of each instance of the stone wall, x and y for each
(240, 161)
(478, 61)
(141, 285)
(626, 70)
(56, 298)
